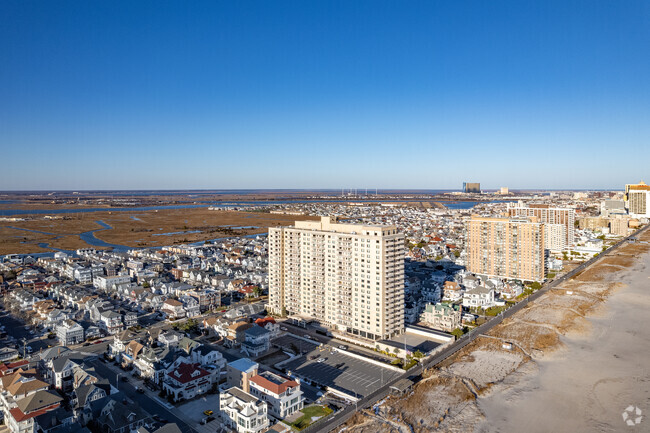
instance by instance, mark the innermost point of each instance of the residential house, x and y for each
(480, 297)
(187, 380)
(239, 373)
(444, 317)
(243, 412)
(283, 395)
(256, 341)
(70, 332)
(173, 309)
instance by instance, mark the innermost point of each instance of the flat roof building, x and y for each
(349, 277)
(511, 248)
(548, 215)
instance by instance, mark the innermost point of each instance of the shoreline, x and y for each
(564, 346)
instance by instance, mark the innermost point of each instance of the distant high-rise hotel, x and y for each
(347, 276)
(511, 248)
(549, 215)
(637, 198)
(471, 187)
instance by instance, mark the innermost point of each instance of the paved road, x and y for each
(333, 421)
(144, 400)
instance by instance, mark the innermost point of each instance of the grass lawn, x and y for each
(309, 412)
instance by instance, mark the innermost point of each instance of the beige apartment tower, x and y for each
(637, 198)
(349, 277)
(548, 215)
(511, 248)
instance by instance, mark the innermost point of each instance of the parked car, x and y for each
(139, 390)
(207, 412)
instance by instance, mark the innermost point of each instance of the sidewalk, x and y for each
(153, 395)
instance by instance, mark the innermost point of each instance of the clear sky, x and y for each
(324, 94)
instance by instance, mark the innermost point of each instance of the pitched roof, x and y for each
(183, 373)
(273, 382)
(26, 385)
(37, 401)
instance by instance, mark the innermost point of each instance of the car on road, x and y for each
(282, 328)
(139, 390)
(321, 360)
(343, 347)
(86, 344)
(207, 412)
(307, 336)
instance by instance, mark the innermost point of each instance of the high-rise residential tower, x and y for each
(511, 248)
(349, 277)
(548, 215)
(637, 197)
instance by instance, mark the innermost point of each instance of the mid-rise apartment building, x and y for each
(548, 215)
(511, 248)
(349, 277)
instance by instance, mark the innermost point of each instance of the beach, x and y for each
(579, 359)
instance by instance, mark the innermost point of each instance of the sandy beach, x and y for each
(587, 384)
(580, 358)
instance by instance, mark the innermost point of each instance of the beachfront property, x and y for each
(282, 395)
(510, 248)
(445, 317)
(637, 198)
(349, 277)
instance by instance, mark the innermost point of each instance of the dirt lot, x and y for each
(136, 229)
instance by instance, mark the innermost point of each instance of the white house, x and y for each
(283, 395)
(480, 296)
(243, 412)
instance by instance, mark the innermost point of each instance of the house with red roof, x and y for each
(187, 380)
(283, 395)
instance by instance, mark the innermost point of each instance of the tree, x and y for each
(257, 291)
(456, 253)
(457, 333)
(418, 355)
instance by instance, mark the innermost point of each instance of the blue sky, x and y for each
(324, 94)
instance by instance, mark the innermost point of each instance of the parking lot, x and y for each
(295, 345)
(336, 370)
